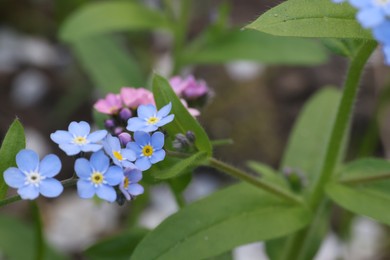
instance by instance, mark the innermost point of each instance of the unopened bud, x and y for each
(124, 138)
(125, 114)
(118, 131)
(190, 136)
(109, 123)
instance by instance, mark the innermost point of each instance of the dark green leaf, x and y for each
(253, 46)
(108, 65)
(183, 121)
(344, 47)
(116, 247)
(14, 141)
(237, 215)
(311, 18)
(110, 16)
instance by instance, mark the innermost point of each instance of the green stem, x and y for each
(237, 173)
(40, 243)
(340, 127)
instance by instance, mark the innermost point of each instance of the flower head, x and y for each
(149, 119)
(97, 177)
(129, 186)
(121, 157)
(371, 13)
(134, 97)
(148, 149)
(109, 105)
(78, 138)
(33, 177)
(188, 87)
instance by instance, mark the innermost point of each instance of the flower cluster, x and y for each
(374, 15)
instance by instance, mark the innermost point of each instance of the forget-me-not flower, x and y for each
(148, 149)
(97, 177)
(129, 186)
(371, 12)
(149, 119)
(120, 156)
(78, 138)
(33, 177)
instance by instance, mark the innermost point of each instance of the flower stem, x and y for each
(237, 173)
(40, 243)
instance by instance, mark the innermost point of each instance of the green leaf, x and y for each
(13, 142)
(182, 166)
(307, 144)
(183, 122)
(253, 46)
(108, 65)
(311, 18)
(268, 174)
(366, 198)
(344, 47)
(116, 247)
(110, 16)
(17, 241)
(237, 215)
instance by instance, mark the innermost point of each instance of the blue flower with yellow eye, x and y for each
(148, 149)
(96, 176)
(120, 156)
(78, 138)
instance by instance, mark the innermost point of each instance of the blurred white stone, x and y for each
(244, 70)
(164, 65)
(38, 52)
(9, 50)
(29, 87)
(72, 224)
(330, 248)
(36, 141)
(253, 251)
(162, 205)
(200, 186)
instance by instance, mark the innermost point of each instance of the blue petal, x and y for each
(143, 163)
(128, 154)
(114, 175)
(134, 147)
(157, 140)
(70, 149)
(50, 165)
(382, 32)
(97, 136)
(361, 3)
(14, 177)
(165, 120)
(61, 136)
(386, 51)
(28, 192)
(134, 175)
(164, 111)
(157, 156)
(141, 138)
(82, 167)
(135, 124)
(85, 189)
(100, 162)
(106, 192)
(50, 188)
(127, 164)
(371, 17)
(135, 189)
(146, 111)
(91, 147)
(124, 191)
(79, 129)
(27, 160)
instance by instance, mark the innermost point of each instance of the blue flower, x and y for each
(78, 138)
(371, 12)
(121, 157)
(149, 119)
(97, 177)
(129, 186)
(33, 177)
(382, 32)
(386, 51)
(148, 149)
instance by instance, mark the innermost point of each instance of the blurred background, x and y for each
(47, 82)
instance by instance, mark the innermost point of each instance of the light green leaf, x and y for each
(268, 174)
(13, 142)
(237, 215)
(253, 46)
(108, 64)
(110, 16)
(311, 18)
(344, 47)
(364, 168)
(117, 247)
(183, 122)
(181, 166)
(308, 142)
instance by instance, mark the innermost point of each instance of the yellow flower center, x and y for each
(147, 150)
(126, 183)
(118, 155)
(152, 120)
(80, 140)
(97, 178)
